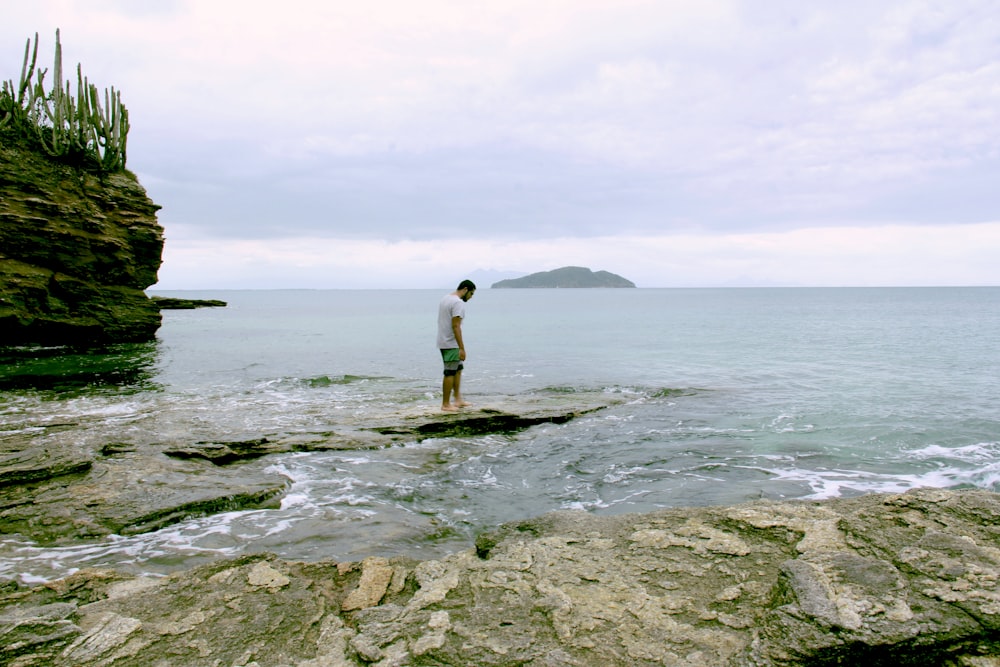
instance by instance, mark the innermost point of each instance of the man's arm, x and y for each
(456, 326)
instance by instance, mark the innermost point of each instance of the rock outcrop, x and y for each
(176, 303)
(910, 579)
(77, 249)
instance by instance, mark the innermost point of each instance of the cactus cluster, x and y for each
(78, 127)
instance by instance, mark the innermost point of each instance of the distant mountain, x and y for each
(568, 276)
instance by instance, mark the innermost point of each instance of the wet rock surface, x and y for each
(176, 303)
(908, 579)
(59, 486)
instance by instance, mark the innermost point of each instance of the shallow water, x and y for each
(729, 395)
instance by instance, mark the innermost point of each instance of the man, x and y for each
(451, 311)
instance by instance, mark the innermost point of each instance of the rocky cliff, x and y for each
(77, 249)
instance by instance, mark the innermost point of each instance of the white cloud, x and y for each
(389, 122)
(831, 256)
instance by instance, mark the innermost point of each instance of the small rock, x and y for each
(263, 575)
(376, 575)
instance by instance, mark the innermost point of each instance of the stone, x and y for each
(77, 251)
(131, 493)
(224, 453)
(108, 634)
(263, 575)
(30, 463)
(570, 588)
(908, 578)
(58, 487)
(376, 575)
(176, 303)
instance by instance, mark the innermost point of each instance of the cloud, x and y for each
(888, 255)
(393, 122)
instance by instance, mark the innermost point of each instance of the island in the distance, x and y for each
(567, 276)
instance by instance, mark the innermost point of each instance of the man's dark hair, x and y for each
(467, 284)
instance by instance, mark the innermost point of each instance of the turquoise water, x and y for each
(729, 395)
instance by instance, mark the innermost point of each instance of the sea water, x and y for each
(721, 396)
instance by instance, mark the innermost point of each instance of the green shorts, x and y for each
(452, 358)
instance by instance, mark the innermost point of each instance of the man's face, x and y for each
(468, 295)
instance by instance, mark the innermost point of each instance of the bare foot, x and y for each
(463, 404)
(449, 408)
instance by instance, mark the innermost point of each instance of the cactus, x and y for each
(12, 107)
(79, 128)
(6, 104)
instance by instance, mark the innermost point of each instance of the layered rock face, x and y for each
(77, 250)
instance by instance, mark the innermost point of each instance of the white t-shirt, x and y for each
(450, 306)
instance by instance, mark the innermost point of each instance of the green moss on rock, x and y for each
(77, 251)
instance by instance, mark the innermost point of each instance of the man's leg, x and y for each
(447, 386)
(457, 388)
(459, 401)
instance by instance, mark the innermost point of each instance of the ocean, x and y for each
(722, 396)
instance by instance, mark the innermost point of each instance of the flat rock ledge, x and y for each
(177, 303)
(59, 487)
(878, 580)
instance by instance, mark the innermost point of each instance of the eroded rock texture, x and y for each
(77, 249)
(907, 579)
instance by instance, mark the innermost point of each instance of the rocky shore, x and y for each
(909, 579)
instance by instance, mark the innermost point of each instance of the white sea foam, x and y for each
(989, 479)
(835, 483)
(617, 476)
(604, 503)
(486, 479)
(293, 499)
(983, 451)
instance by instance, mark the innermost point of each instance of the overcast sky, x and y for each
(402, 143)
